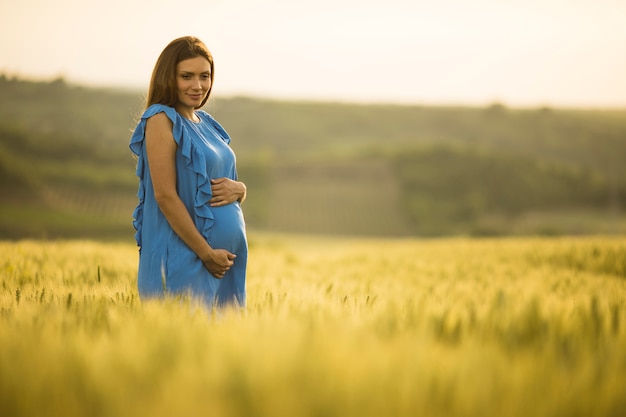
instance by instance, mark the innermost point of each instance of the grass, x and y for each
(333, 327)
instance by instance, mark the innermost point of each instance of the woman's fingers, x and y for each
(224, 191)
(221, 263)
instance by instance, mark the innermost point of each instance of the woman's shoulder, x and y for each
(159, 121)
(157, 117)
(155, 109)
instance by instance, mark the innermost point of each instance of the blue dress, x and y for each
(166, 264)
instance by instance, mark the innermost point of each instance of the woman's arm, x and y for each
(161, 155)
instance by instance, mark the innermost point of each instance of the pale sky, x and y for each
(517, 52)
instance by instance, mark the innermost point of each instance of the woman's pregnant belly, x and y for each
(229, 228)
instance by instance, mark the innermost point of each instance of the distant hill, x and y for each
(328, 168)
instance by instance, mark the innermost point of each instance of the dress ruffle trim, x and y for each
(193, 159)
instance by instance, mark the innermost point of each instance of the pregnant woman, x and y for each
(189, 226)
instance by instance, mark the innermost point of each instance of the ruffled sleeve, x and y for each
(193, 160)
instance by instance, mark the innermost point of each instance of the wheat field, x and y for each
(333, 327)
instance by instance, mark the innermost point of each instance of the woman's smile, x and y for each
(196, 96)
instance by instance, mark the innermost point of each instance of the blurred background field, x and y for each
(321, 167)
(334, 327)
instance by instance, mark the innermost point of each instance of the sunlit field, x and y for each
(333, 327)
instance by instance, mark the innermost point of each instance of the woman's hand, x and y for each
(218, 262)
(226, 191)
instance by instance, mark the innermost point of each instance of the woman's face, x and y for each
(193, 80)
